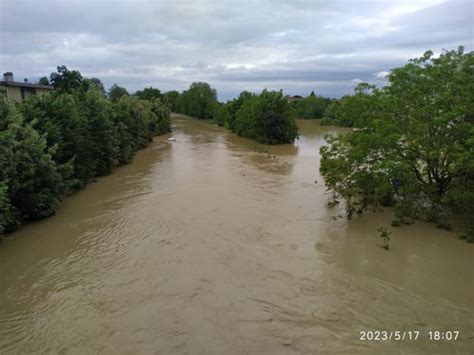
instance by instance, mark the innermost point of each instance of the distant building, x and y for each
(18, 91)
(294, 98)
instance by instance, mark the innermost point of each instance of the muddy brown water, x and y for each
(216, 245)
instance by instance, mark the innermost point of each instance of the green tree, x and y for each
(200, 101)
(268, 118)
(172, 100)
(132, 118)
(31, 186)
(5, 207)
(56, 143)
(66, 80)
(355, 110)
(43, 81)
(416, 151)
(227, 113)
(160, 121)
(149, 94)
(101, 132)
(97, 84)
(312, 106)
(60, 118)
(116, 92)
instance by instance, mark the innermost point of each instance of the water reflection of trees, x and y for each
(276, 159)
(198, 132)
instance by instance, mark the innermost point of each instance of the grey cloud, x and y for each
(297, 46)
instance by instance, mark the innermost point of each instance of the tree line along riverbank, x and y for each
(413, 144)
(53, 145)
(412, 148)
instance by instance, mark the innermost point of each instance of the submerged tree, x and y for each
(416, 152)
(200, 101)
(312, 106)
(355, 110)
(227, 113)
(385, 236)
(58, 117)
(172, 99)
(268, 118)
(31, 185)
(54, 144)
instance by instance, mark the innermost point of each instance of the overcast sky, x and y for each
(298, 46)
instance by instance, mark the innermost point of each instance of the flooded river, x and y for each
(213, 244)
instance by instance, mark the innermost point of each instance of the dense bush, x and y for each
(57, 143)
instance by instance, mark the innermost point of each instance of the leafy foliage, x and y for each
(160, 121)
(100, 133)
(31, 185)
(116, 92)
(227, 113)
(172, 99)
(355, 110)
(57, 143)
(415, 148)
(312, 106)
(149, 94)
(268, 118)
(200, 101)
(65, 80)
(96, 83)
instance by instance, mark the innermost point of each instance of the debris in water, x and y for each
(172, 139)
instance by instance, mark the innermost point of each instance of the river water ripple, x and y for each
(214, 244)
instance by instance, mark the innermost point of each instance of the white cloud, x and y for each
(381, 75)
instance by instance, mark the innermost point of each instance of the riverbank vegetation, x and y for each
(53, 145)
(267, 118)
(199, 101)
(354, 110)
(311, 107)
(414, 149)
